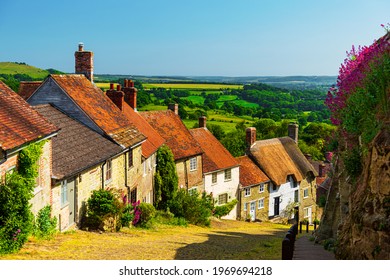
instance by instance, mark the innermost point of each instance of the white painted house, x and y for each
(221, 173)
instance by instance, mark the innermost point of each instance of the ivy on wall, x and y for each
(16, 218)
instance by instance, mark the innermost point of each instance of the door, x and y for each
(276, 205)
(71, 198)
(253, 210)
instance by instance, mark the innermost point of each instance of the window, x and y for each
(307, 212)
(247, 191)
(64, 193)
(222, 198)
(228, 174)
(133, 195)
(261, 188)
(296, 196)
(108, 170)
(193, 164)
(261, 203)
(245, 206)
(214, 178)
(192, 190)
(144, 167)
(306, 193)
(274, 188)
(130, 162)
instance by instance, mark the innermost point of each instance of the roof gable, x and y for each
(280, 157)
(98, 107)
(172, 129)
(76, 146)
(250, 173)
(19, 122)
(215, 156)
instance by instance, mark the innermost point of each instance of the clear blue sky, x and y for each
(191, 37)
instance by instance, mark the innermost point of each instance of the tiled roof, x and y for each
(19, 123)
(175, 133)
(250, 173)
(280, 157)
(76, 146)
(153, 141)
(100, 109)
(26, 89)
(215, 156)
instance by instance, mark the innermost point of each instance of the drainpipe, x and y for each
(103, 173)
(186, 174)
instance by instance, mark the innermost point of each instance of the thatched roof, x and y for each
(280, 157)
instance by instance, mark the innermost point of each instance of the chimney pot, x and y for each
(202, 121)
(126, 83)
(321, 170)
(118, 87)
(111, 86)
(81, 47)
(174, 108)
(250, 136)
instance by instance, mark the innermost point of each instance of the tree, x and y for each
(166, 179)
(235, 143)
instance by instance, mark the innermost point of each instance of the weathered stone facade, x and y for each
(187, 178)
(255, 197)
(307, 203)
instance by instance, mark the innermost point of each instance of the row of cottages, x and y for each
(285, 181)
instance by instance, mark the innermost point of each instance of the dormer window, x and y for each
(291, 179)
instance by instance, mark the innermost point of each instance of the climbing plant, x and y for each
(16, 218)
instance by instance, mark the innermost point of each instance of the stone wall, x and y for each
(358, 209)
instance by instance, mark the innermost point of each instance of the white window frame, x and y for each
(261, 203)
(192, 190)
(247, 192)
(64, 193)
(305, 192)
(245, 206)
(261, 188)
(193, 164)
(306, 212)
(219, 198)
(214, 176)
(108, 171)
(228, 174)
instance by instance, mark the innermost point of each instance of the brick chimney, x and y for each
(293, 132)
(130, 94)
(84, 62)
(174, 108)
(202, 121)
(116, 96)
(250, 136)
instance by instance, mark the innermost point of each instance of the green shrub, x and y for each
(192, 207)
(45, 226)
(223, 210)
(127, 215)
(353, 162)
(102, 204)
(147, 213)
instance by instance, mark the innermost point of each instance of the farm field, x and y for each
(224, 240)
(192, 86)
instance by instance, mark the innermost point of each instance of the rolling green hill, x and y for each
(13, 68)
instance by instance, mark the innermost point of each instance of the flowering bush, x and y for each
(360, 98)
(359, 103)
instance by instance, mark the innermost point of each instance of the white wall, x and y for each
(285, 192)
(230, 187)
